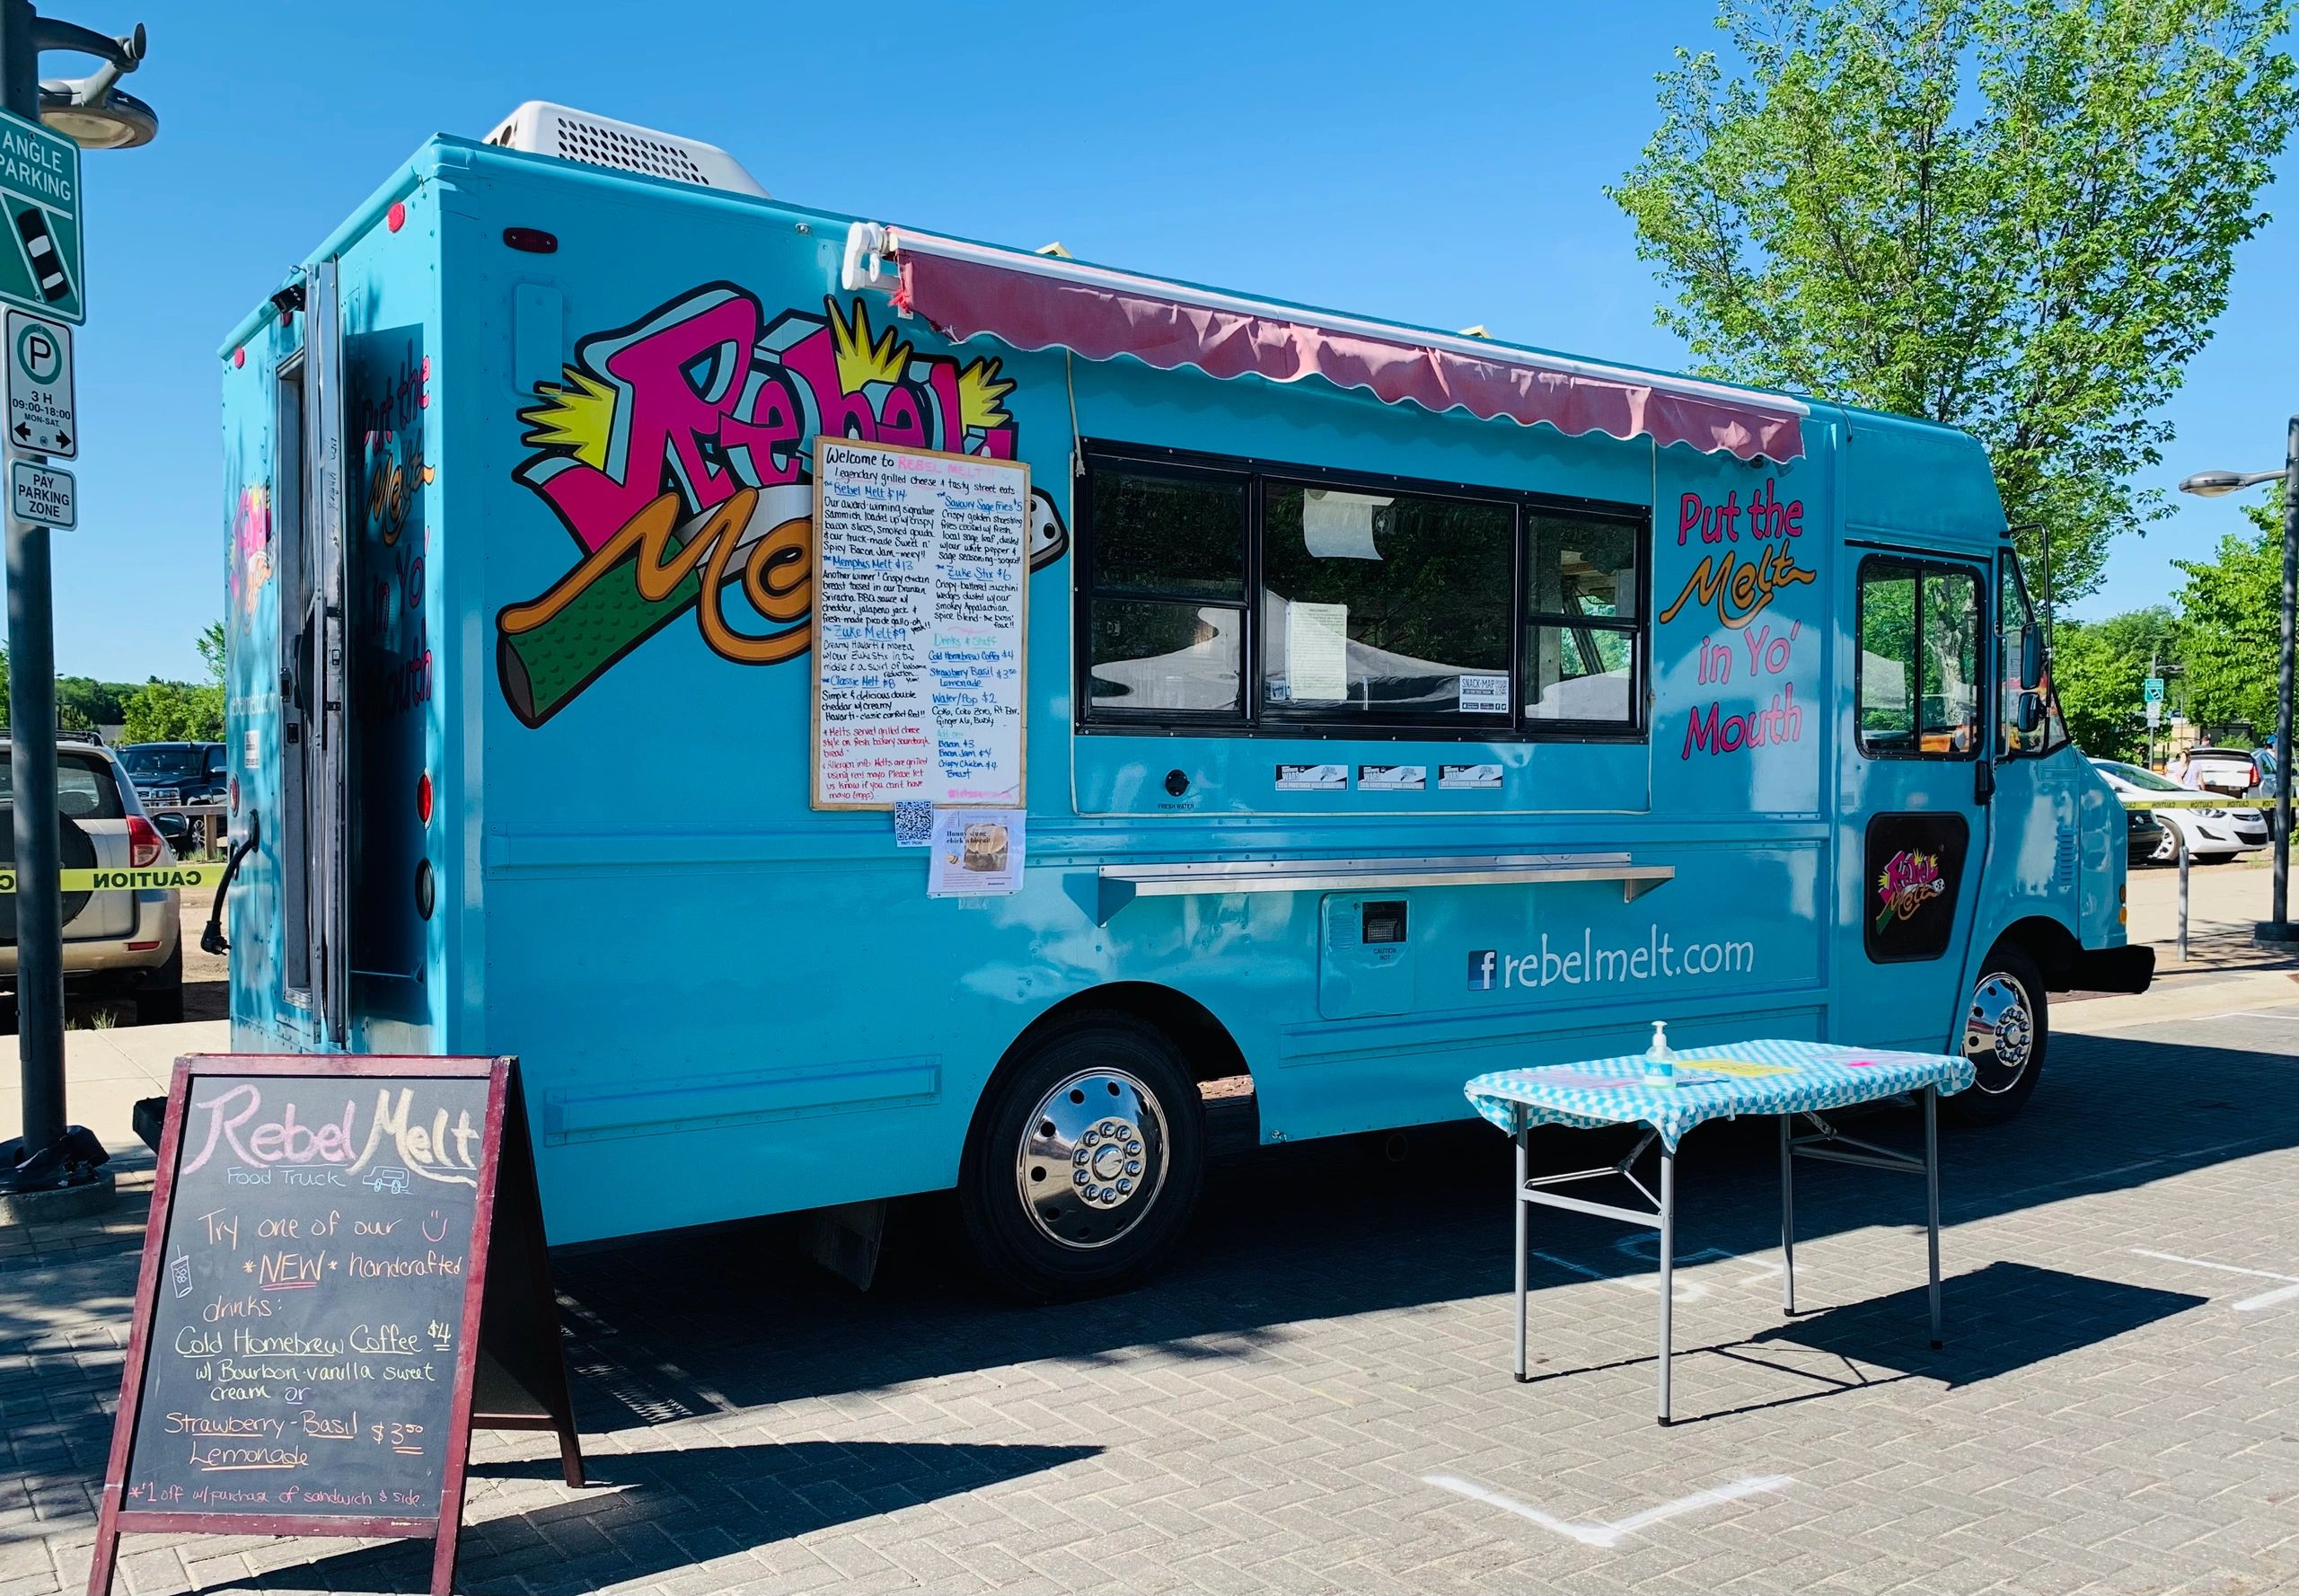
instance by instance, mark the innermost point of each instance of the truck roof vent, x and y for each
(540, 128)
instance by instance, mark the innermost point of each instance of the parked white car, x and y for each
(125, 943)
(2233, 772)
(2203, 835)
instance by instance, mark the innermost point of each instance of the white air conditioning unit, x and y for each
(540, 128)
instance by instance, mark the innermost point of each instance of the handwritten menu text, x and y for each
(923, 561)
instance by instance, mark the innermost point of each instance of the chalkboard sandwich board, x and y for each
(343, 1274)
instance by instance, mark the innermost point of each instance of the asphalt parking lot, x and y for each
(1318, 1397)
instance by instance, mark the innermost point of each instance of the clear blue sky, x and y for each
(1447, 172)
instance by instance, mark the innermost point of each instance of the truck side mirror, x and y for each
(2031, 656)
(2030, 712)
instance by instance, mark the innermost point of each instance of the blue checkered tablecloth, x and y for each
(1763, 1077)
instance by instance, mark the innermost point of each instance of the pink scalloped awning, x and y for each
(1100, 316)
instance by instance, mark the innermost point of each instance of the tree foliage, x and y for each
(2015, 216)
(2098, 667)
(174, 712)
(2231, 633)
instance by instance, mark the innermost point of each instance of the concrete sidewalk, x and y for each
(106, 1071)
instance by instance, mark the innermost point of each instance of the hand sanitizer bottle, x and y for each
(1659, 1059)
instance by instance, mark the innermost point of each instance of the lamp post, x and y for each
(2275, 932)
(51, 1168)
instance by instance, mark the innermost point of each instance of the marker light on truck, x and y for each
(423, 798)
(143, 844)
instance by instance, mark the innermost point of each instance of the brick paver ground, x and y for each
(2117, 1409)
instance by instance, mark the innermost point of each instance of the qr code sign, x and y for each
(914, 825)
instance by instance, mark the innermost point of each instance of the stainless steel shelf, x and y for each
(1120, 884)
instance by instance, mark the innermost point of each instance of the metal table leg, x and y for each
(1667, 1268)
(1932, 1197)
(1787, 1217)
(1521, 1205)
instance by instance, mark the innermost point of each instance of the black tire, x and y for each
(160, 1000)
(1038, 1190)
(2007, 1030)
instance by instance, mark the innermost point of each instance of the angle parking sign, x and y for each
(40, 213)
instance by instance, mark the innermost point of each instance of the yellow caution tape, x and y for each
(145, 879)
(2201, 801)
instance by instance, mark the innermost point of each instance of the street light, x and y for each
(52, 1168)
(2210, 484)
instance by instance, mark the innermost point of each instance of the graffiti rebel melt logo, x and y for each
(1908, 881)
(678, 451)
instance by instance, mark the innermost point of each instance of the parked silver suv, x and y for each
(125, 943)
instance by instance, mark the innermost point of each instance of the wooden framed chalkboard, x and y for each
(343, 1272)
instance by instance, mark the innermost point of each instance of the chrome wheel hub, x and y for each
(1999, 1031)
(1092, 1158)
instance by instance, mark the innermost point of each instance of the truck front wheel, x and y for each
(1085, 1159)
(2007, 1023)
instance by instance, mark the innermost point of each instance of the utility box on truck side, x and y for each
(1394, 707)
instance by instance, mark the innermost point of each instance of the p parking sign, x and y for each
(40, 212)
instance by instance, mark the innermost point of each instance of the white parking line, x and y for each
(1688, 1290)
(1611, 1535)
(2279, 1012)
(2287, 1292)
(1645, 1250)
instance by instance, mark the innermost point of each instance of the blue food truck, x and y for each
(1397, 705)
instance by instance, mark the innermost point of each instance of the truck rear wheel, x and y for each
(1085, 1159)
(2007, 1023)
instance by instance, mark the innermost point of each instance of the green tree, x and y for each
(2230, 624)
(174, 712)
(2015, 216)
(2098, 667)
(212, 646)
(83, 701)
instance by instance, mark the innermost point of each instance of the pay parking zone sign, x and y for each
(42, 495)
(39, 190)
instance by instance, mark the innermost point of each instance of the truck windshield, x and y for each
(155, 759)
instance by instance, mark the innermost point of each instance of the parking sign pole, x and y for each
(31, 722)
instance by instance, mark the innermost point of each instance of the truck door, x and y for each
(314, 775)
(1915, 777)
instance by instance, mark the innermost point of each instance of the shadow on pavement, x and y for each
(2003, 1317)
(1328, 1228)
(648, 1513)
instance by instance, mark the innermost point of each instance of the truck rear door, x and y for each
(308, 543)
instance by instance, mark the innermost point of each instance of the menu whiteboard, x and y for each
(921, 586)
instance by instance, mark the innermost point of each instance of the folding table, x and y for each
(1787, 1078)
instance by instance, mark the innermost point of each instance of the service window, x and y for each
(1166, 621)
(1919, 683)
(1584, 608)
(1219, 595)
(1385, 604)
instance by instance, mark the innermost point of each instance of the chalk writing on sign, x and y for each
(918, 601)
(304, 1359)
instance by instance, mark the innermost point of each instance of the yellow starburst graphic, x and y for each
(576, 415)
(981, 395)
(862, 361)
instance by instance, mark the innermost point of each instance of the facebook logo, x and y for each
(1482, 965)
